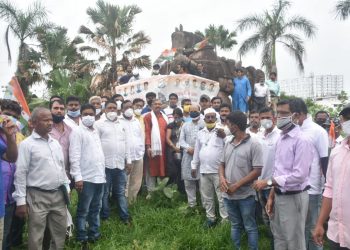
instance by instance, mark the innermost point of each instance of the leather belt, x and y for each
(279, 192)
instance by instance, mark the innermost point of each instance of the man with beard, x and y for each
(150, 96)
(72, 118)
(254, 124)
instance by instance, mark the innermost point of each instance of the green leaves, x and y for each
(342, 9)
(270, 28)
(219, 36)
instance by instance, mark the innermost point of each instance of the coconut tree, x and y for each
(219, 36)
(23, 24)
(117, 44)
(272, 28)
(343, 9)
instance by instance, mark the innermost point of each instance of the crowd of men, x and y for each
(105, 149)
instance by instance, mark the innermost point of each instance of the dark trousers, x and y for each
(336, 246)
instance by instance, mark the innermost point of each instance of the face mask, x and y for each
(119, 105)
(128, 113)
(284, 123)
(266, 123)
(103, 105)
(346, 128)
(112, 116)
(88, 120)
(73, 114)
(194, 114)
(137, 112)
(98, 111)
(172, 106)
(57, 118)
(210, 125)
(187, 108)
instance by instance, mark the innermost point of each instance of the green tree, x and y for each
(272, 28)
(219, 36)
(342, 9)
(118, 44)
(23, 26)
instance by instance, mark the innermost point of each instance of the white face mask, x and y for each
(138, 112)
(112, 116)
(346, 128)
(129, 112)
(98, 111)
(88, 120)
(119, 105)
(266, 123)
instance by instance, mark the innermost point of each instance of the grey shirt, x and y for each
(239, 161)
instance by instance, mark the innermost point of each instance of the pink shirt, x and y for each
(63, 139)
(293, 158)
(337, 188)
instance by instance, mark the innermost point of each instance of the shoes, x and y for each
(209, 224)
(149, 196)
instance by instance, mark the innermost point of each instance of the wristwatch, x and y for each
(269, 182)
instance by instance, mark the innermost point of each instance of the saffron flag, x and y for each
(201, 44)
(14, 92)
(331, 135)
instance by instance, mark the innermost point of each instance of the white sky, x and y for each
(327, 53)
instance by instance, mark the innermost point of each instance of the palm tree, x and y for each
(343, 9)
(113, 34)
(219, 37)
(272, 28)
(23, 25)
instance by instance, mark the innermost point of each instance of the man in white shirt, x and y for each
(261, 97)
(41, 183)
(115, 145)
(173, 100)
(96, 101)
(207, 153)
(136, 138)
(319, 139)
(268, 141)
(88, 171)
(254, 128)
(72, 118)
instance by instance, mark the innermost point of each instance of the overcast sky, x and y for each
(327, 53)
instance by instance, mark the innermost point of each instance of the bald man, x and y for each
(41, 183)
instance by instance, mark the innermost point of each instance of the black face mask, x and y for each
(194, 114)
(57, 118)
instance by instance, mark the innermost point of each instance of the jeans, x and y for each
(311, 219)
(241, 213)
(89, 205)
(116, 181)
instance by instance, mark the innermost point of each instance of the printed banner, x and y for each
(184, 85)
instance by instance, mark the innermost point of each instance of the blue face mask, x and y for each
(73, 114)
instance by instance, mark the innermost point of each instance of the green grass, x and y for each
(164, 227)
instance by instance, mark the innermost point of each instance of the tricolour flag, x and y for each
(201, 44)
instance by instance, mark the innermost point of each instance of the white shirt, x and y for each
(259, 134)
(86, 156)
(114, 140)
(268, 143)
(262, 90)
(70, 122)
(207, 151)
(320, 141)
(40, 164)
(136, 138)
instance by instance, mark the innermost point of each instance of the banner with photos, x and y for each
(184, 85)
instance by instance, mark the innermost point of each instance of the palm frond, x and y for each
(250, 22)
(296, 48)
(141, 62)
(302, 24)
(88, 49)
(8, 44)
(266, 56)
(342, 9)
(86, 31)
(251, 43)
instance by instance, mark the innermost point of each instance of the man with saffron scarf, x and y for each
(155, 140)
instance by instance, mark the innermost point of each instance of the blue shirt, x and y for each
(3, 148)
